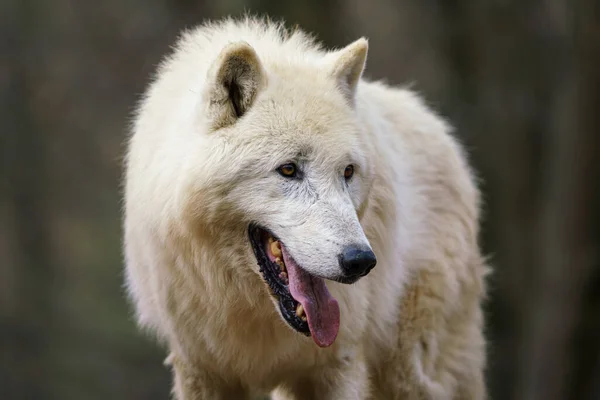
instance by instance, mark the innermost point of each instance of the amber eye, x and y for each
(348, 172)
(288, 170)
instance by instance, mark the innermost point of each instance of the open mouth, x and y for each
(304, 300)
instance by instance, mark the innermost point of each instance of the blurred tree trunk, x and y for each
(565, 236)
(29, 311)
(497, 66)
(318, 17)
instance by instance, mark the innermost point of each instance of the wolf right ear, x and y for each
(234, 80)
(348, 65)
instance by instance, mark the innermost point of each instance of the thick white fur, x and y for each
(197, 175)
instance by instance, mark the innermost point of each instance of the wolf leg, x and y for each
(348, 382)
(197, 383)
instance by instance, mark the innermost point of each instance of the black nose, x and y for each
(357, 261)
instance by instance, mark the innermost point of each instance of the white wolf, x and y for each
(265, 179)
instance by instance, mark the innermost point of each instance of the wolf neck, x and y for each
(226, 292)
(233, 268)
(228, 270)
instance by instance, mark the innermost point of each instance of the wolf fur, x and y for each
(235, 100)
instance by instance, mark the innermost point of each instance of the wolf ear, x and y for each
(234, 80)
(348, 65)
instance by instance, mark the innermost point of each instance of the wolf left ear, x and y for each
(348, 65)
(234, 80)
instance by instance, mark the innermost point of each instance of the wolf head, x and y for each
(288, 161)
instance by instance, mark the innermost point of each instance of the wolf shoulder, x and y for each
(399, 123)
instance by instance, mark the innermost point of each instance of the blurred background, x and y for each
(520, 81)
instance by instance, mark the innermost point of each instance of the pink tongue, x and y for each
(321, 308)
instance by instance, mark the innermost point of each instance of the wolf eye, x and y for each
(348, 172)
(288, 170)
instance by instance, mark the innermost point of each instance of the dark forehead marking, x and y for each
(303, 153)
